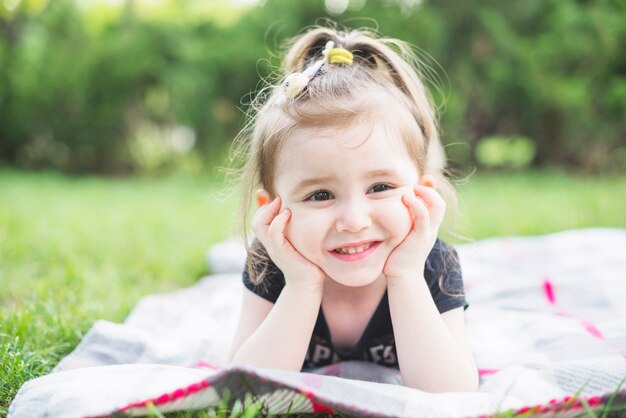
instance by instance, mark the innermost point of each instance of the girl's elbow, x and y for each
(236, 361)
(476, 382)
(473, 382)
(475, 378)
(457, 383)
(471, 387)
(231, 359)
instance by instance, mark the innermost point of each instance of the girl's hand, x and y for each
(427, 209)
(269, 227)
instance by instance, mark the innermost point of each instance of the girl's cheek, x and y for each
(295, 229)
(405, 221)
(305, 231)
(399, 218)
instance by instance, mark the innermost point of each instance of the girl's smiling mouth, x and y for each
(354, 252)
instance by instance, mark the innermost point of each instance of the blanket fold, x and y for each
(546, 323)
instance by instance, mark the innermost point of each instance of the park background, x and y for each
(116, 117)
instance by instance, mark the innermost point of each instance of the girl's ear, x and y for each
(427, 181)
(262, 197)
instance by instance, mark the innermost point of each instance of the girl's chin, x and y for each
(352, 281)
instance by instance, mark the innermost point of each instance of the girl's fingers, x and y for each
(430, 196)
(264, 216)
(276, 230)
(279, 246)
(284, 254)
(419, 211)
(432, 200)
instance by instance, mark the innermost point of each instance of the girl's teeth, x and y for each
(353, 250)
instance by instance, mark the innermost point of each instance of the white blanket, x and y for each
(547, 321)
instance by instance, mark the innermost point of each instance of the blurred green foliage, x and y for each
(126, 86)
(505, 152)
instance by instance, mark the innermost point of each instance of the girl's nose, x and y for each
(353, 216)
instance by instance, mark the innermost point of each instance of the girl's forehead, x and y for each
(356, 148)
(349, 139)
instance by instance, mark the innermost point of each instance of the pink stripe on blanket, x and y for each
(206, 365)
(548, 290)
(592, 329)
(482, 372)
(314, 381)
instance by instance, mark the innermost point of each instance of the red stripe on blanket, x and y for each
(568, 403)
(167, 397)
(317, 407)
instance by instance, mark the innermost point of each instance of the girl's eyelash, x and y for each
(384, 185)
(319, 196)
(322, 195)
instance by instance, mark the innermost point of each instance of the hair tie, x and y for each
(340, 56)
(296, 82)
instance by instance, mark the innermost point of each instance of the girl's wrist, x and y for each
(304, 289)
(403, 281)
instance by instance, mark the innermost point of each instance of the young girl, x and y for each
(346, 264)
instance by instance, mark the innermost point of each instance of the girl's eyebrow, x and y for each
(327, 179)
(383, 173)
(311, 182)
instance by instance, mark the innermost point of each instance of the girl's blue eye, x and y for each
(319, 196)
(377, 188)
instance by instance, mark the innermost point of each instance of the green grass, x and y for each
(539, 203)
(74, 250)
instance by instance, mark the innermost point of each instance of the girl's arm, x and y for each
(277, 335)
(432, 348)
(279, 339)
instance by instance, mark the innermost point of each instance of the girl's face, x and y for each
(344, 188)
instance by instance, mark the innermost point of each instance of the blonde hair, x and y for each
(383, 78)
